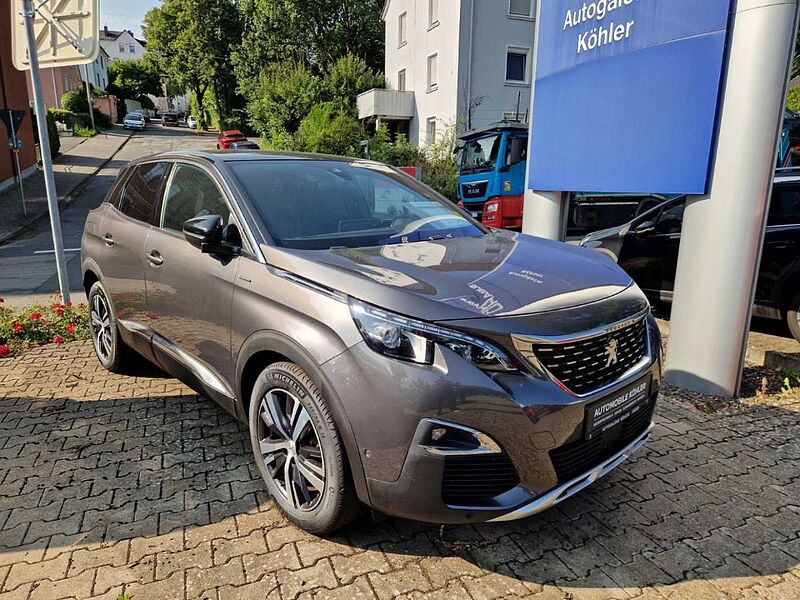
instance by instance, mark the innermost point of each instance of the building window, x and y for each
(402, 30)
(430, 131)
(521, 8)
(433, 80)
(517, 65)
(122, 47)
(132, 48)
(401, 80)
(433, 13)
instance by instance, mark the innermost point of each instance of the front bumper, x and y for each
(537, 426)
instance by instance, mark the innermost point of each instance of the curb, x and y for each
(65, 200)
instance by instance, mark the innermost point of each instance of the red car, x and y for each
(226, 138)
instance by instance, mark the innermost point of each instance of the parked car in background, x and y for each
(134, 120)
(169, 119)
(384, 348)
(244, 146)
(191, 122)
(226, 138)
(647, 248)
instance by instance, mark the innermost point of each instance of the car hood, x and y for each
(499, 274)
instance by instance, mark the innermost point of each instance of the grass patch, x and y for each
(81, 131)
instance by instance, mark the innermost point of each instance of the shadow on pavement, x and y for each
(90, 457)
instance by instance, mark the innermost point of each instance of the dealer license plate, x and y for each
(612, 410)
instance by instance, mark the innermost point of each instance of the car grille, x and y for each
(584, 366)
(472, 480)
(576, 458)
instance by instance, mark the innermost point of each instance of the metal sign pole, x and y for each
(723, 232)
(44, 143)
(89, 94)
(16, 160)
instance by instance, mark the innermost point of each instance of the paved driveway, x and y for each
(112, 483)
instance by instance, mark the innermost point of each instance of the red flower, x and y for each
(35, 316)
(16, 326)
(60, 312)
(71, 328)
(56, 305)
(68, 304)
(4, 351)
(58, 340)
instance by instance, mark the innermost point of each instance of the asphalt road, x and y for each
(31, 258)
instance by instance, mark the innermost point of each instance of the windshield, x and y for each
(318, 205)
(480, 155)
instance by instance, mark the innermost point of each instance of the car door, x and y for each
(123, 231)
(781, 256)
(649, 253)
(189, 292)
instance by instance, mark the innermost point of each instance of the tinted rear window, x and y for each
(785, 206)
(318, 205)
(141, 191)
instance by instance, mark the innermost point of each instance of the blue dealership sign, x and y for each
(626, 95)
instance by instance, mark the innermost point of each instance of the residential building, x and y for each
(453, 63)
(56, 81)
(14, 95)
(98, 70)
(121, 44)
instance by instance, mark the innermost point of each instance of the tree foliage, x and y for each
(191, 41)
(75, 101)
(133, 78)
(314, 33)
(284, 96)
(347, 78)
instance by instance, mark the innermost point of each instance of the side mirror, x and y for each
(645, 227)
(206, 233)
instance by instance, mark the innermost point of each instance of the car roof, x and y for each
(232, 132)
(226, 156)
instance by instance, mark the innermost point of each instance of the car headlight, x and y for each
(402, 338)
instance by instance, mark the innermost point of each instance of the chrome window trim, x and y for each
(577, 484)
(330, 293)
(592, 333)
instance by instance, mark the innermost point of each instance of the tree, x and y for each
(75, 101)
(284, 96)
(133, 78)
(347, 78)
(796, 60)
(315, 33)
(191, 41)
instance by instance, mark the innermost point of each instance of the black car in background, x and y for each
(647, 248)
(169, 119)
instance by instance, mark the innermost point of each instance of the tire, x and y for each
(110, 349)
(793, 315)
(295, 438)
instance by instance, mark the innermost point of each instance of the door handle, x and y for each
(155, 258)
(108, 239)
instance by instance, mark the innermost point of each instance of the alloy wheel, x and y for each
(101, 326)
(290, 449)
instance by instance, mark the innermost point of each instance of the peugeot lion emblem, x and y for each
(611, 352)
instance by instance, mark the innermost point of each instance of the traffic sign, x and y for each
(12, 119)
(66, 32)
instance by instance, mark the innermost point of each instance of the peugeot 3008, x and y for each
(384, 348)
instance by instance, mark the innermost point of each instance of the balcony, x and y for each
(385, 104)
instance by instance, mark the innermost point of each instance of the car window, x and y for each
(317, 205)
(140, 195)
(785, 206)
(191, 193)
(671, 219)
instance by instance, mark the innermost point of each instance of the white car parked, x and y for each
(191, 122)
(134, 121)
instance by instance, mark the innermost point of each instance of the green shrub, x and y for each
(347, 78)
(83, 131)
(75, 101)
(313, 127)
(278, 141)
(285, 95)
(52, 133)
(61, 115)
(101, 119)
(793, 99)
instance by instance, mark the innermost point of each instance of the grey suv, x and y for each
(384, 348)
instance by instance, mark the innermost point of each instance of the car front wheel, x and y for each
(299, 451)
(793, 316)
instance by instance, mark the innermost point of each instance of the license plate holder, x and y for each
(615, 408)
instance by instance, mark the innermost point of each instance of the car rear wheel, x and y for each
(111, 350)
(299, 451)
(793, 315)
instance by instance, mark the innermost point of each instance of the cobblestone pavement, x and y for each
(134, 484)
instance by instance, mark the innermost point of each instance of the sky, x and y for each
(125, 14)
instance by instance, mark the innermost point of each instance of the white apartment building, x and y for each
(121, 44)
(98, 70)
(453, 63)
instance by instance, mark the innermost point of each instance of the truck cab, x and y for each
(491, 166)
